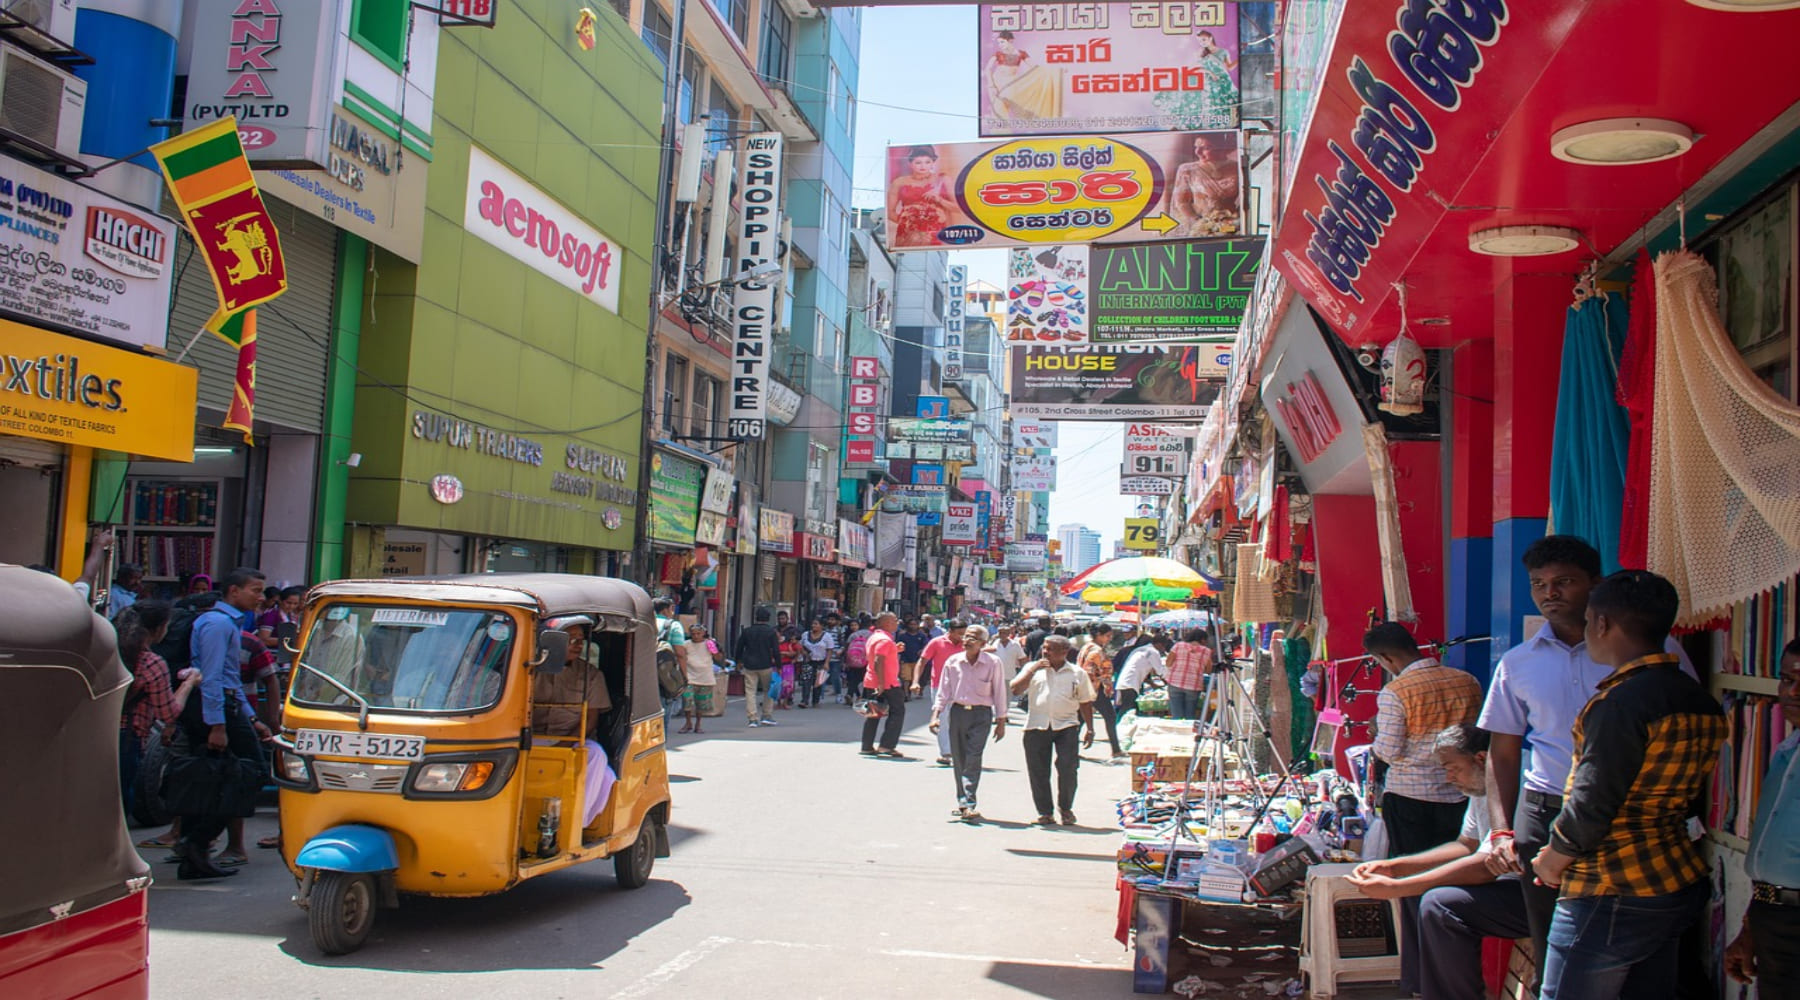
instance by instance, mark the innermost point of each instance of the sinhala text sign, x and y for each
(1049, 68)
(1051, 191)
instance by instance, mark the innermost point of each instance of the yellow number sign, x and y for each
(1142, 534)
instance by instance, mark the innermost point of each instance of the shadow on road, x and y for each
(574, 919)
(1062, 855)
(1061, 981)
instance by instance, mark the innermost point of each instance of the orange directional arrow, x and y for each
(1159, 223)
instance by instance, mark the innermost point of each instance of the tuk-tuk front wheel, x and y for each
(632, 865)
(342, 911)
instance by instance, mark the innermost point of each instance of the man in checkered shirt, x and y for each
(1631, 878)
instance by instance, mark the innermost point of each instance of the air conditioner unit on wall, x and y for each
(40, 102)
(55, 18)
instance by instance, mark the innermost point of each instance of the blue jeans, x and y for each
(1183, 704)
(1623, 947)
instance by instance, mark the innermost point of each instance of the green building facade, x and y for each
(500, 386)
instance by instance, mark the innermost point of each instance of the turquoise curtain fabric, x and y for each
(1587, 459)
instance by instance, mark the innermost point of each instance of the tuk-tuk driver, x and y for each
(558, 696)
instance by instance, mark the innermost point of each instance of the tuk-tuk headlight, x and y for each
(453, 776)
(293, 767)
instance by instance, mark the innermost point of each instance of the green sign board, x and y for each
(675, 487)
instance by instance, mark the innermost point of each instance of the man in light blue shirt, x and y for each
(221, 720)
(1767, 950)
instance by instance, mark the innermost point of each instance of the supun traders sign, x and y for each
(753, 302)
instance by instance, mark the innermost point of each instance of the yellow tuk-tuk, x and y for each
(452, 736)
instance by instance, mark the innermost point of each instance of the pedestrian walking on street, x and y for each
(1060, 702)
(856, 657)
(758, 655)
(931, 663)
(912, 640)
(221, 720)
(973, 689)
(1099, 666)
(817, 649)
(883, 683)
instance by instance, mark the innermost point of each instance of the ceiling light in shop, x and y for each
(1622, 141)
(1746, 6)
(1524, 241)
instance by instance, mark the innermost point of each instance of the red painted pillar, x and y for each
(1529, 313)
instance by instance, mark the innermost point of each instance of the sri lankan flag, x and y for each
(212, 184)
(243, 394)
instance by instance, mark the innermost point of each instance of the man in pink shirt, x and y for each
(931, 663)
(882, 680)
(972, 685)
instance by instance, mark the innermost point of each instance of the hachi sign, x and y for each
(505, 210)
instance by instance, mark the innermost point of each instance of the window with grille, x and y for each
(704, 406)
(675, 378)
(776, 58)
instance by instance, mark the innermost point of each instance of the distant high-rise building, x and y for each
(1080, 547)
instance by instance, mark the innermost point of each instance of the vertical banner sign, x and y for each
(753, 302)
(960, 524)
(864, 406)
(953, 323)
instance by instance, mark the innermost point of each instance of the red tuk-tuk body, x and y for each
(72, 888)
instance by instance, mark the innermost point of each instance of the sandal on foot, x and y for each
(270, 843)
(229, 860)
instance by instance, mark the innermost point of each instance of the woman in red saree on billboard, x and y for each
(920, 203)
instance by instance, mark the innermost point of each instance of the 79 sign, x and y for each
(1142, 534)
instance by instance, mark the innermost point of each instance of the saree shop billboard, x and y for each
(1406, 110)
(1108, 382)
(1193, 290)
(1053, 191)
(1054, 68)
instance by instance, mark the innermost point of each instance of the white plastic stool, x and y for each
(1320, 962)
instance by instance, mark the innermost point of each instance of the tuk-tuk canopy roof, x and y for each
(547, 594)
(46, 623)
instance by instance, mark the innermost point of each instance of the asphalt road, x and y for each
(799, 869)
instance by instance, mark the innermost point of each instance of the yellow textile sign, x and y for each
(1142, 534)
(57, 388)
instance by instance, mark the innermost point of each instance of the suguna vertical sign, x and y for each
(753, 302)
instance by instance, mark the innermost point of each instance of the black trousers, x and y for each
(1416, 825)
(1040, 746)
(1531, 831)
(1105, 708)
(1775, 930)
(200, 831)
(895, 699)
(1127, 700)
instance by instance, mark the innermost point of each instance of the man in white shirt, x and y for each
(1008, 650)
(1060, 701)
(1145, 662)
(1538, 690)
(972, 688)
(1463, 902)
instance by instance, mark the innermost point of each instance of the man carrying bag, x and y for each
(217, 780)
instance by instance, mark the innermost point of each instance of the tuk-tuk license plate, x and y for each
(339, 744)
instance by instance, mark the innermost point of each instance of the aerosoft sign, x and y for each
(508, 212)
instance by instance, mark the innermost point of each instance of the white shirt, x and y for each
(1011, 655)
(1055, 697)
(1476, 824)
(1539, 688)
(1143, 663)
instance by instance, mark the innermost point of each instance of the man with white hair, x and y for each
(972, 685)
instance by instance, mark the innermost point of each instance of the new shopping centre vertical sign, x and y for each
(753, 302)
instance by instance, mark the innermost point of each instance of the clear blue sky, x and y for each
(917, 84)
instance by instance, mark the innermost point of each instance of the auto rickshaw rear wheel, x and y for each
(341, 911)
(632, 865)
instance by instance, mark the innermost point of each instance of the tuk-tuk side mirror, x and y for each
(553, 651)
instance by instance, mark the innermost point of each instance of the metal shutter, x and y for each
(290, 366)
(30, 453)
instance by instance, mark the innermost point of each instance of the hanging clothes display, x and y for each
(1587, 456)
(1725, 461)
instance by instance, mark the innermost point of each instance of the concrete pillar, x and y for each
(1470, 444)
(1528, 330)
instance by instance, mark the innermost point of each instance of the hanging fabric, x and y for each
(1725, 460)
(1637, 393)
(1253, 599)
(1588, 448)
(1394, 583)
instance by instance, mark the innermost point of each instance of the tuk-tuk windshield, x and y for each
(406, 658)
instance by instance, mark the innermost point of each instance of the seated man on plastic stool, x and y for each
(1463, 901)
